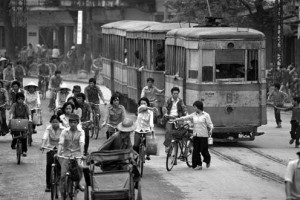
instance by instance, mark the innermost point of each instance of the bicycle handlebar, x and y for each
(111, 126)
(70, 157)
(50, 149)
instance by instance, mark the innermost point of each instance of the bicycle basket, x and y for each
(74, 170)
(181, 132)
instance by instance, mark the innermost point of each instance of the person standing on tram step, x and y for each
(174, 107)
(150, 91)
(292, 179)
(202, 129)
(278, 97)
(295, 120)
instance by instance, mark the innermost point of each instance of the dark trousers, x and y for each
(277, 115)
(295, 131)
(87, 140)
(4, 127)
(50, 161)
(23, 140)
(200, 146)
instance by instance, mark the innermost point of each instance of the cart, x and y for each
(110, 176)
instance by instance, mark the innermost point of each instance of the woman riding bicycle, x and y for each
(32, 99)
(67, 110)
(50, 140)
(61, 96)
(77, 110)
(144, 122)
(20, 110)
(115, 114)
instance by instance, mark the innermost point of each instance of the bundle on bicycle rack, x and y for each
(111, 183)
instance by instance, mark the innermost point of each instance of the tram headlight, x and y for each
(229, 109)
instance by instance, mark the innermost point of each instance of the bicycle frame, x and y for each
(142, 149)
(19, 146)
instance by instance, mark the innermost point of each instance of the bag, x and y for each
(151, 145)
(19, 124)
(74, 170)
(210, 140)
(37, 117)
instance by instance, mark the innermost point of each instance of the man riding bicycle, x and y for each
(92, 93)
(44, 73)
(72, 143)
(54, 85)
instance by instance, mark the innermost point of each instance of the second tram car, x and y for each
(223, 67)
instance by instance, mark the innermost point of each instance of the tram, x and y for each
(222, 66)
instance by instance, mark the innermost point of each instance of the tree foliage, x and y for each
(254, 13)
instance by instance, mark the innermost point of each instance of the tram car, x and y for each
(222, 66)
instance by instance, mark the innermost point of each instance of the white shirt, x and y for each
(55, 53)
(144, 121)
(174, 110)
(201, 122)
(32, 100)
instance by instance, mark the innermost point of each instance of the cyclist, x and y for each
(9, 75)
(92, 93)
(55, 81)
(3, 105)
(115, 114)
(20, 110)
(15, 88)
(150, 91)
(44, 72)
(50, 140)
(76, 90)
(67, 110)
(19, 72)
(174, 107)
(61, 96)
(87, 115)
(144, 122)
(71, 142)
(77, 110)
(32, 99)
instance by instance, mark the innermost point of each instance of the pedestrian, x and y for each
(3, 104)
(150, 92)
(278, 97)
(87, 115)
(32, 99)
(115, 114)
(295, 120)
(202, 129)
(174, 107)
(50, 140)
(292, 179)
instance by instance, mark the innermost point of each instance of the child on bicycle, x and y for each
(71, 141)
(144, 122)
(115, 114)
(20, 110)
(50, 140)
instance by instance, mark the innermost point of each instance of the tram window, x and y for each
(252, 67)
(230, 64)
(207, 74)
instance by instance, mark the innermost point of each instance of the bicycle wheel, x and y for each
(97, 126)
(54, 186)
(19, 151)
(141, 158)
(171, 156)
(68, 184)
(188, 152)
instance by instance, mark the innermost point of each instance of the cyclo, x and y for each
(111, 176)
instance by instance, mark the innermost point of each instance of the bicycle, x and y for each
(70, 187)
(95, 129)
(54, 177)
(142, 151)
(19, 145)
(111, 130)
(182, 140)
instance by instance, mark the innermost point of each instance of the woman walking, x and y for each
(203, 127)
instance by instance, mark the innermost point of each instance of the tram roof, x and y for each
(216, 33)
(165, 27)
(128, 25)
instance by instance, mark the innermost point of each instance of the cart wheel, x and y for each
(139, 193)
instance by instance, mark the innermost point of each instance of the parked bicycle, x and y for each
(95, 129)
(183, 142)
(54, 177)
(70, 185)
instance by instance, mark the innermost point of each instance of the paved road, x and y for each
(245, 170)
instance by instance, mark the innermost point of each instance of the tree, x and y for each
(5, 9)
(254, 13)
